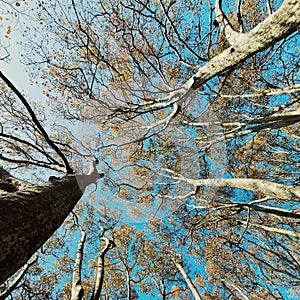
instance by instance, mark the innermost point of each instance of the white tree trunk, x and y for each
(77, 289)
(187, 279)
(274, 28)
(264, 187)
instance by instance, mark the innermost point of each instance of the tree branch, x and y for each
(264, 187)
(236, 288)
(7, 291)
(275, 27)
(10, 183)
(231, 35)
(69, 170)
(272, 229)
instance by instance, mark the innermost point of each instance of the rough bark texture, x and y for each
(30, 216)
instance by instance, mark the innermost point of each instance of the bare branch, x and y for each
(264, 187)
(230, 33)
(272, 229)
(236, 288)
(269, 7)
(10, 183)
(37, 122)
(279, 91)
(7, 291)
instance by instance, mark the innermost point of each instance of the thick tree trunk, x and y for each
(30, 216)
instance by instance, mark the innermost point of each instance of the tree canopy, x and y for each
(189, 112)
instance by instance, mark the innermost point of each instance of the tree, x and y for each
(198, 122)
(40, 209)
(77, 289)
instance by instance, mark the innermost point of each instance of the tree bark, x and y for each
(242, 128)
(274, 28)
(109, 244)
(128, 284)
(29, 216)
(77, 289)
(272, 229)
(187, 279)
(263, 187)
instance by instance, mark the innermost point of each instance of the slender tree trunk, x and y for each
(99, 279)
(109, 244)
(77, 289)
(163, 294)
(29, 216)
(128, 284)
(187, 279)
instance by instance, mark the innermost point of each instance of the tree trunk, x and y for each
(187, 279)
(77, 289)
(30, 216)
(109, 244)
(263, 187)
(274, 28)
(128, 284)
